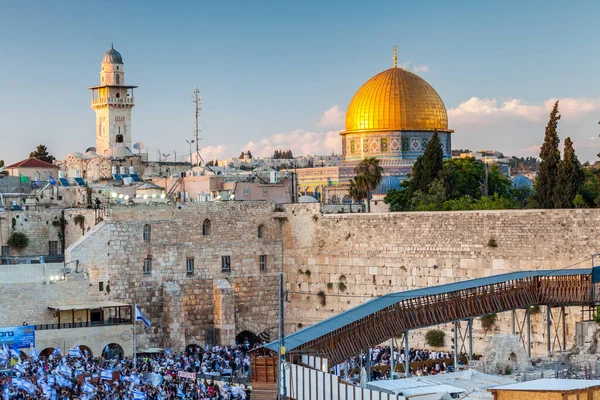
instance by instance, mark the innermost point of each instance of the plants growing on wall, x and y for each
(322, 297)
(80, 220)
(61, 224)
(18, 240)
(435, 338)
(488, 321)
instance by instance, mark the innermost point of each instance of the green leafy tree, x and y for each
(432, 200)
(371, 173)
(1, 163)
(463, 177)
(398, 200)
(41, 153)
(570, 178)
(498, 183)
(428, 167)
(550, 159)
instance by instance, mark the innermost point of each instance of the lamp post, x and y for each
(190, 142)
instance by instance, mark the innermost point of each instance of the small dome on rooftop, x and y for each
(387, 183)
(520, 181)
(112, 56)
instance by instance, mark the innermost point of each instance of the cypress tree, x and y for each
(570, 177)
(427, 168)
(546, 180)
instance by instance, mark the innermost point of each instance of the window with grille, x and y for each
(212, 336)
(53, 248)
(147, 233)
(147, 266)
(189, 266)
(226, 264)
(263, 262)
(5, 251)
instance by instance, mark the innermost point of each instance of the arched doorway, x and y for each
(47, 352)
(86, 351)
(247, 338)
(112, 351)
(193, 349)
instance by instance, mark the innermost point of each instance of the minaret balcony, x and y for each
(112, 100)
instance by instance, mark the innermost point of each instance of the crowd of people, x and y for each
(381, 356)
(195, 374)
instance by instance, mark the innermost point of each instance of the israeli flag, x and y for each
(106, 374)
(65, 370)
(15, 354)
(139, 316)
(180, 392)
(23, 384)
(138, 395)
(56, 352)
(88, 388)
(75, 352)
(34, 354)
(52, 181)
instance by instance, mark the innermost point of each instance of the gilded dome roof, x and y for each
(112, 56)
(393, 100)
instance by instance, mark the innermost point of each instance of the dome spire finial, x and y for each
(111, 46)
(395, 56)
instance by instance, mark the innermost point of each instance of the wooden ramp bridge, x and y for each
(352, 332)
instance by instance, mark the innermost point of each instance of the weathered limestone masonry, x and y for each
(375, 254)
(38, 226)
(114, 252)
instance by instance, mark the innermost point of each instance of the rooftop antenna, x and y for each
(395, 56)
(198, 104)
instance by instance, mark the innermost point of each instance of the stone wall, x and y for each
(375, 254)
(38, 226)
(115, 251)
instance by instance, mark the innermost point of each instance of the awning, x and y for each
(89, 306)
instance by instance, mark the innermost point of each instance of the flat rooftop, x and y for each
(550, 385)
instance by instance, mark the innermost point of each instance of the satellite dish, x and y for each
(91, 149)
(138, 146)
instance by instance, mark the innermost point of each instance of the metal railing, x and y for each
(89, 324)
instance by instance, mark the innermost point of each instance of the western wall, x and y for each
(375, 254)
(372, 254)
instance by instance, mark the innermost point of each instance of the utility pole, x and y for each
(281, 386)
(198, 105)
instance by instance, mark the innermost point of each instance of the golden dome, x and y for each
(396, 100)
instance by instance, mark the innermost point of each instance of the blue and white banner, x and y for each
(20, 337)
(139, 316)
(106, 374)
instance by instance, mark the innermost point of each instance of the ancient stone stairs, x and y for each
(264, 391)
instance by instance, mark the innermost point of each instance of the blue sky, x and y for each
(269, 72)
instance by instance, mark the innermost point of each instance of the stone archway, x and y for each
(247, 338)
(47, 352)
(113, 351)
(86, 351)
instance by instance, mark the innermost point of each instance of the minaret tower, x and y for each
(112, 101)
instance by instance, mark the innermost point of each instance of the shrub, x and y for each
(492, 243)
(341, 286)
(18, 240)
(322, 297)
(342, 278)
(329, 286)
(507, 370)
(307, 273)
(435, 338)
(300, 325)
(488, 321)
(300, 271)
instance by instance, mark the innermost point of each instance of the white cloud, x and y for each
(484, 110)
(409, 66)
(212, 153)
(299, 141)
(333, 118)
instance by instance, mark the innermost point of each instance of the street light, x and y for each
(190, 142)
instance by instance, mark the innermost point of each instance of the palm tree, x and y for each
(371, 171)
(358, 188)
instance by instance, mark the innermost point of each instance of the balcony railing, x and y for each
(90, 324)
(113, 100)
